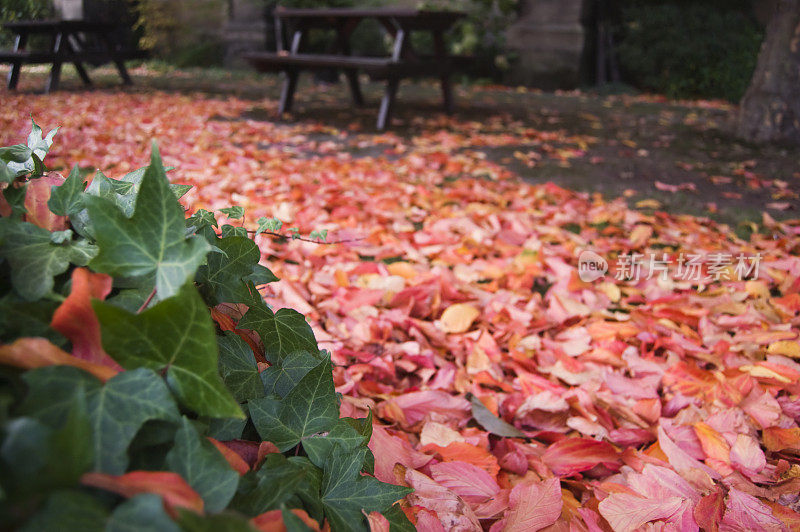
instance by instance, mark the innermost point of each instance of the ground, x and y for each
(453, 298)
(683, 155)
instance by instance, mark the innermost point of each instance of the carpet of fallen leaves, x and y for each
(653, 404)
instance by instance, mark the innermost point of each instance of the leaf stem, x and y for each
(279, 235)
(147, 301)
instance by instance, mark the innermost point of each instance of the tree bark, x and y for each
(770, 109)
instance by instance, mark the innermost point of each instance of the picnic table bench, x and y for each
(69, 43)
(404, 62)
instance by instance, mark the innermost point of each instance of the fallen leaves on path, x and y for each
(640, 399)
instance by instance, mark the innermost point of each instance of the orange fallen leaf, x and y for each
(171, 486)
(30, 353)
(458, 318)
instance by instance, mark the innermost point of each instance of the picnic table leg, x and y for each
(355, 88)
(387, 103)
(78, 65)
(343, 32)
(13, 75)
(287, 92)
(441, 56)
(55, 70)
(119, 63)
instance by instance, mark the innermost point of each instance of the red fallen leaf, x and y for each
(377, 522)
(745, 512)
(30, 353)
(465, 452)
(626, 512)
(272, 521)
(233, 458)
(789, 517)
(709, 510)
(778, 439)
(265, 448)
(469, 482)
(416, 405)
(533, 506)
(573, 455)
(171, 486)
(36, 197)
(247, 450)
(452, 512)
(390, 450)
(76, 319)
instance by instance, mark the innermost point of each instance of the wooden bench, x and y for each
(403, 63)
(68, 46)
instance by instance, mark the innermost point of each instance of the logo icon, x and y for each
(591, 266)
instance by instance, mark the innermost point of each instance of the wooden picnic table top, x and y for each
(408, 18)
(358, 12)
(54, 26)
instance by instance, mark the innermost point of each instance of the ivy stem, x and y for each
(286, 237)
(147, 301)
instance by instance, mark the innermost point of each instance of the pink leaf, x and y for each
(626, 512)
(744, 513)
(573, 455)
(471, 483)
(534, 506)
(390, 450)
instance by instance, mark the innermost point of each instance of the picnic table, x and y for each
(71, 41)
(404, 61)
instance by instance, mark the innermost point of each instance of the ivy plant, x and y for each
(173, 398)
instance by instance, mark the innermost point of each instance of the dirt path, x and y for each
(676, 156)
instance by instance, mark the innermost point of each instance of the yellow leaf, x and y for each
(786, 348)
(458, 318)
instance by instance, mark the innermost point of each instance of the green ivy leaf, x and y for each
(306, 494)
(38, 147)
(221, 279)
(282, 332)
(152, 240)
(261, 275)
(233, 230)
(225, 429)
(69, 511)
(15, 197)
(281, 377)
(223, 522)
(19, 153)
(238, 368)
(143, 513)
(35, 259)
(273, 225)
(20, 318)
(67, 198)
(234, 213)
(117, 410)
(292, 522)
(398, 522)
(269, 487)
(311, 407)
(345, 492)
(203, 467)
(342, 436)
(175, 335)
(200, 219)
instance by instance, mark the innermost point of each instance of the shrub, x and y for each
(689, 50)
(173, 354)
(11, 10)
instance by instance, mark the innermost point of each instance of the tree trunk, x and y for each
(770, 109)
